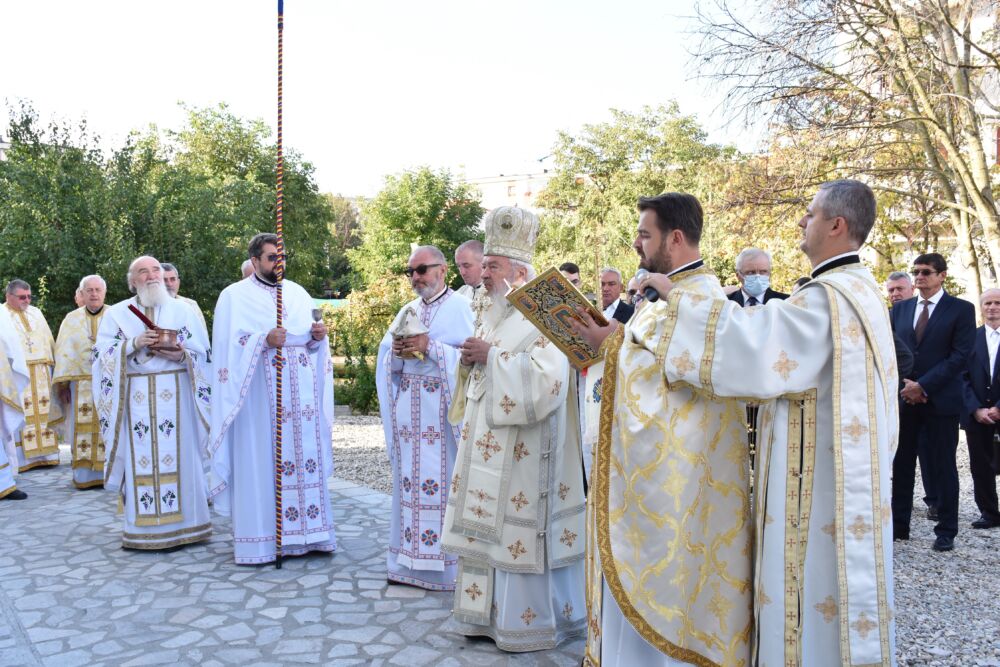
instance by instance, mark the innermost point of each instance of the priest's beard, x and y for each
(660, 262)
(428, 292)
(498, 305)
(152, 294)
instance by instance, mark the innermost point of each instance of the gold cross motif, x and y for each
(520, 500)
(474, 591)
(528, 616)
(683, 363)
(859, 528)
(853, 331)
(517, 549)
(784, 366)
(864, 625)
(507, 404)
(568, 538)
(487, 446)
(520, 451)
(856, 429)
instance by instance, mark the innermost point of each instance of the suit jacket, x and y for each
(942, 355)
(623, 312)
(978, 391)
(769, 294)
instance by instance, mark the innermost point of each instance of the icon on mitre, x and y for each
(407, 325)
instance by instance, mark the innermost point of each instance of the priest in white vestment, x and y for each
(416, 382)
(244, 378)
(14, 378)
(72, 380)
(152, 406)
(38, 439)
(469, 260)
(516, 511)
(668, 553)
(822, 364)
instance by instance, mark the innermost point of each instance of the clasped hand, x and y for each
(913, 393)
(149, 337)
(475, 351)
(988, 416)
(410, 346)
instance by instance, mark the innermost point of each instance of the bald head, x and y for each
(990, 302)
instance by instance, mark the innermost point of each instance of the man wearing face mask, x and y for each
(753, 270)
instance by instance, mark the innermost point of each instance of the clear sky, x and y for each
(372, 87)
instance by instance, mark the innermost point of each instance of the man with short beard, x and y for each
(668, 548)
(416, 382)
(72, 380)
(172, 281)
(516, 511)
(37, 441)
(152, 406)
(246, 344)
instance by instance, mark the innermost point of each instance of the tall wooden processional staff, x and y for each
(279, 270)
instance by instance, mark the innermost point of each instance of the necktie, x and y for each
(752, 301)
(925, 314)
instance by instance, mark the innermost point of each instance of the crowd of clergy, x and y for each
(715, 486)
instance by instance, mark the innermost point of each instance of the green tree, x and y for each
(425, 207)
(345, 233)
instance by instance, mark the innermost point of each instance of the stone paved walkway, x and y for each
(69, 595)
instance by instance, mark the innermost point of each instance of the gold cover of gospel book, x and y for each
(550, 302)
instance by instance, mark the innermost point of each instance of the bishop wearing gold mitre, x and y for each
(668, 542)
(37, 441)
(515, 515)
(72, 380)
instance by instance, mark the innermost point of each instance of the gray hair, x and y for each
(434, 252)
(86, 279)
(245, 265)
(854, 202)
(611, 269)
(748, 254)
(518, 264)
(167, 266)
(17, 284)
(128, 274)
(475, 245)
(899, 275)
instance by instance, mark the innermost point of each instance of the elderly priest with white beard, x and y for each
(152, 404)
(515, 516)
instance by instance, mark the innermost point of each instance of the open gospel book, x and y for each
(550, 302)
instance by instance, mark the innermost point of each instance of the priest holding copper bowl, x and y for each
(153, 395)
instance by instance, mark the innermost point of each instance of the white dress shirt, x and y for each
(747, 297)
(930, 308)
(992, 343)
(609, 312)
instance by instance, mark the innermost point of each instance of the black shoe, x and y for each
(900, 535)
(943, 543)
(932, 513)
(16, 494)
(982, 523)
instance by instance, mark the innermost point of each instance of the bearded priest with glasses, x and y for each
(152, 402)
(245, 344)
(416, 382)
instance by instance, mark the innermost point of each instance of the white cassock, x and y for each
(822, 364)
(242, 444)
(153, 415)
(14, 378)
(516, 513)
(414, 398)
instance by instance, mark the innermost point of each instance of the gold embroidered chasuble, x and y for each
(41, 413)
(13, 380)
(517, 500)
(822, 365)
(74, 354)
(668, 510)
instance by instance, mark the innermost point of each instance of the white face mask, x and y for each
(755, 286)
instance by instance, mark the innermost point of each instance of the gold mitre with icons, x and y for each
(511, 232)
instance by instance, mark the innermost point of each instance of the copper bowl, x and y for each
(166, 340)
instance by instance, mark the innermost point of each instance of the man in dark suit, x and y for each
(753, 270)
(611, 293)
(939, 329)
(981, 389)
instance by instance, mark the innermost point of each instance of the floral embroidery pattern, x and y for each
(429, 487)
(568, 538)
(474, 591)
(408, 534)
(520, 451)
(168, 498)
(431, 386)
(487, 446)
(556, 387)
(292, 513)
(243, 339)
(517, 549)
(567, 610)
(480, 512)
(563, 491)
(454, 482)
(140, 429)
(507, 404)
(146, 500)
(288, 468)
(528, 616)
(223, 375)
(481, 495)
(407, 486)
(429, 538)
(519, 501)
(166, 427)
(312, 511)
(310, 466)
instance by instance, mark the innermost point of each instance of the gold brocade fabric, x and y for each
(74, 356)
(41, 412)
(670, 500)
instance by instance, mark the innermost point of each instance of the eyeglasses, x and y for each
(273, 257)
(633, 292)
(923, 272)
(422, 269)
(24, 297)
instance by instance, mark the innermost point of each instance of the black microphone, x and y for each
(650, 292)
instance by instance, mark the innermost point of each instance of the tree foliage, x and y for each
(192, 197)
(424, 207)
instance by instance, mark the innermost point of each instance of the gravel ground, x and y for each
(947, 604)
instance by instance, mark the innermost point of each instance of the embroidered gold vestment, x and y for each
(41, 413)
(74, 357)
(669, 508)
(822, 365)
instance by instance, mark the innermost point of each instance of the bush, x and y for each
(357, 329)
